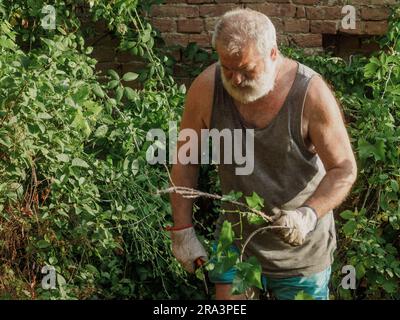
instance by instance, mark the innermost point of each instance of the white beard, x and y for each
(252, 90)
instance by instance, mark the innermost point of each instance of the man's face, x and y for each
(247, 76)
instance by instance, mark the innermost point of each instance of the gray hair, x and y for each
(236, 28)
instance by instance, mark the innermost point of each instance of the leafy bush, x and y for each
(369, 92)
(77, 193)
(368, 89)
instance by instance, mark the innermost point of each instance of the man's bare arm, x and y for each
(195, 116)
(328, 134)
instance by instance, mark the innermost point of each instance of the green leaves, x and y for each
(63, 157)
(255, 201)
(347, 214)
(367, 149)
(77, 162)
(113, 84)
(94, 189)
(349, 228)
(254, 218)
(130, 76)
(130, 94)
(394, 185)
(371, 69)
(232, 196)
(113, 74)
(226, 236)
(222, 262)
(248, 275)
(101, 131)
(82, 94)
(44, 116)
(119, 93)
(42, 244)
(302, 295)
(98, 91)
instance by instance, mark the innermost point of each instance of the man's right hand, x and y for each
(187, 248)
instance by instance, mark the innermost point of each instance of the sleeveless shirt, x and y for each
(285, 175)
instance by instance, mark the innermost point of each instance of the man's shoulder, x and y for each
(200, 96)
(318, 89)
(321, 103)
(205, 80)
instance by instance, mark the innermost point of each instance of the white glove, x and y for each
(187, 248)
(302, 221)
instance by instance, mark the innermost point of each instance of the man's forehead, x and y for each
(243, 58)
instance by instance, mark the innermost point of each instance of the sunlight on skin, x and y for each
(246, 75)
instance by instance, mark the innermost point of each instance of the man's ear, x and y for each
(274, 53)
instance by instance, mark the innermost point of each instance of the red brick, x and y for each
(278, 24)
(174, 1)
(215, 10)
(191, 25)
(375, 27)
(227, 1)
(375, 13)
(327, 27)
(353, 2)
(179, 70)
(282, 39)
(313, 51)
(172, 39)
(275, 10)
(103, 40)
(306, 1)
(296, 26)
(379, 2)
(171, 11)
(319, 13)
(176, 54)
(164, 24)
(103, 54)
(199, 1)
(210, 23)
(124, 56)
(203, 40)
(300, 12)
(133, 66)
(263, 1)
(105, 66)
(358, 30)
(306, 40)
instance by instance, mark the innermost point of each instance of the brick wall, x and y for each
(300, 22)
(310, 24)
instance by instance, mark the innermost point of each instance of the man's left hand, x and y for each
(299, 223)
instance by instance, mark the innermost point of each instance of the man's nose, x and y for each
(237, 78)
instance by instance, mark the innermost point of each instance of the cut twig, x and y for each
(254, 233)
(190, 193)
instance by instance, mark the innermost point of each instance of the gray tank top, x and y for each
(285, 175)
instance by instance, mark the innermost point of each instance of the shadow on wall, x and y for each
(344, 46)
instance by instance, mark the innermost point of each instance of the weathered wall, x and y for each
(301, 22)
(311, 24)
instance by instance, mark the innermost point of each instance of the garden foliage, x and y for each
(77, 193)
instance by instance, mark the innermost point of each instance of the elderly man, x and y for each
(303, 160)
